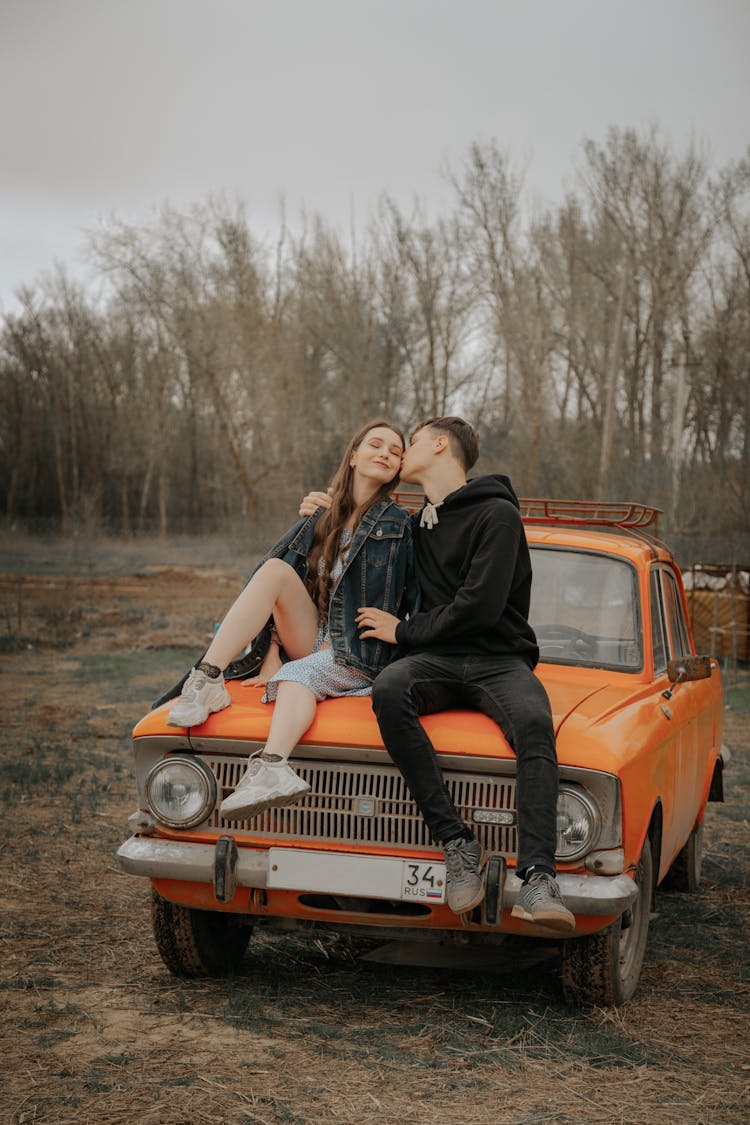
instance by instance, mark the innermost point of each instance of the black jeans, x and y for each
(505, 689)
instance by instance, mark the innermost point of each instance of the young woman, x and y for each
(313, 583)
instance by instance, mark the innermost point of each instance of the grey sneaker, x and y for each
(540, 901)
(464, 874)
(267, 784)
(199, 697)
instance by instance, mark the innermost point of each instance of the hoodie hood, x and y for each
(492, 486)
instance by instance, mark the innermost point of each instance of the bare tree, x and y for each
(600, 346)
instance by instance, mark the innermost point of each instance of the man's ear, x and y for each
(441, 443)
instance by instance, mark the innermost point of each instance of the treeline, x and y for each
(602, 348)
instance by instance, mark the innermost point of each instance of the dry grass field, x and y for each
(94, 1030)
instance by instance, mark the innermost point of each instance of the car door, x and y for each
(683, 776)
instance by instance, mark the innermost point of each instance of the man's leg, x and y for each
(410, 687)
(510, 693)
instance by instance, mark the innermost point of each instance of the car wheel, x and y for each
(604, 968)
(197, 943)
(685, 872)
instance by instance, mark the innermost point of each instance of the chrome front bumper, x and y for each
(205, 863)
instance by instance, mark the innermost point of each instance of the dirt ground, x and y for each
(95, 1030)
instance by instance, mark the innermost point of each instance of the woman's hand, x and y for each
(378, 624)
(313, 501)
(271, 664)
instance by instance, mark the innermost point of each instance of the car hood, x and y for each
(580, 700)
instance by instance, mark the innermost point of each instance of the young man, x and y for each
(470, 645)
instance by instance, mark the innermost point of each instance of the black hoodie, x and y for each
(474, 574)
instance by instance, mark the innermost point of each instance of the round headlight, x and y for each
(578, 823)
(181, 791)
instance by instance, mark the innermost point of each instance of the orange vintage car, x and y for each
(638, 718)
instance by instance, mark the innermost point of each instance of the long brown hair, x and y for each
(329, 527)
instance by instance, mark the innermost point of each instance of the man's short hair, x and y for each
(463, 440)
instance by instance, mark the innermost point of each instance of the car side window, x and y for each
(658, 632)
(678, 634)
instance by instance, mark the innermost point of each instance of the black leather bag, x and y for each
(240, 669)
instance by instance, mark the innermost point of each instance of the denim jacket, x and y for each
(379, 571)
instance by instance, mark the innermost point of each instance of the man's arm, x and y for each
(481, 600)
(313, 501)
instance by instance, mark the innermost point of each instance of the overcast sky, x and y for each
(116, 106)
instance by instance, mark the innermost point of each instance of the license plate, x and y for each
(366, 876)
(423, 881)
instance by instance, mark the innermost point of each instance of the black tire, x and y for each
(687, 865)
(197, 943)
(604, 968)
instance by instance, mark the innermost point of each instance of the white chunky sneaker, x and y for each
(269, 783)
(199, 697)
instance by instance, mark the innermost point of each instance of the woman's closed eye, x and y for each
(393, 451)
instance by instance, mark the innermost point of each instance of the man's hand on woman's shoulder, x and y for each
(313, 501)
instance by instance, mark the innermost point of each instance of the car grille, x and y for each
(369, 804)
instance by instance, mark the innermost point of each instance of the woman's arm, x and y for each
(281, 546)
(380, 624)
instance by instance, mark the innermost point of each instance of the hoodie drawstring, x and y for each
(429, 517)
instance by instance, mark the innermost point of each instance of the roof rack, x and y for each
(575, 513)
(589, 513)
(410, 498)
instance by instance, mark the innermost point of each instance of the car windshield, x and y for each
(584, 609)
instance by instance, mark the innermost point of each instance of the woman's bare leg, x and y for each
(292, 715)
(269, 781)
(274, 589)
